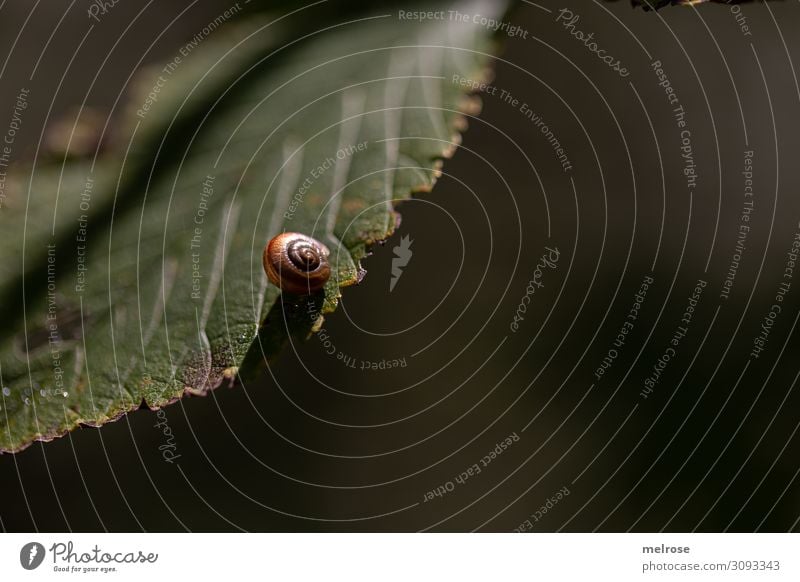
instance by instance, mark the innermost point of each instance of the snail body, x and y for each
(297, 263)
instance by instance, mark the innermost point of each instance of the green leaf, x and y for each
(137, 278)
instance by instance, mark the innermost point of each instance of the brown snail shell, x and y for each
(297, 263)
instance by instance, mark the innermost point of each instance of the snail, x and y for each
(297, 263)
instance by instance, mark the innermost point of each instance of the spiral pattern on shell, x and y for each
(297, 263)
(304, 254)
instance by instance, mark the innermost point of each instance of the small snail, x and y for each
(297, 263)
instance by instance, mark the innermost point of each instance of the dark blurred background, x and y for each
(315, 445)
